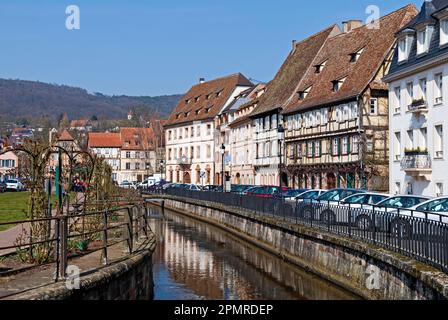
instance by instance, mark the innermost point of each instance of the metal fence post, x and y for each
(426, 236)
(57, 248)
(105, 258)
(350, 220)
(128, 229)
(63, 233)
(374, 225)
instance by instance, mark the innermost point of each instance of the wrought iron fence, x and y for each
(420, 235)
(70, 235)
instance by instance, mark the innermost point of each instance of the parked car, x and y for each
(310, 195)
(362, 200)
(128, 185)
(14, 185)
(400, 202)
(210, 188)
(3, 186)
(323, 208)
(193, 187)
(266, 192)
(291, 195)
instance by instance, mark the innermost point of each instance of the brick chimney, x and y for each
(350, 25)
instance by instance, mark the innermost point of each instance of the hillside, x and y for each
(31, 99)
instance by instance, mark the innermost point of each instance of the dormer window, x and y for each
(337, 84)
(196, 99)
(423, 39)
(320, 67)
(187, 101)
(404, 45)
(443, 31)
(354, 57)
(304, 93)
(198, 111)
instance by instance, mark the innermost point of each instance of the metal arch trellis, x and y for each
(39, 157)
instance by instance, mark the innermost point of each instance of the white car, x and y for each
(364, 200)
(14, 185)
(310, 195)
(435, 210)
(127, 185)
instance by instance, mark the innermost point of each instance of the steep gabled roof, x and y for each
(65, 136)
(280, 89)
(205, 100)
(373, 44)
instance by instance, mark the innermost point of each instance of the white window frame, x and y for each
(438, 142)
(373, 105)
(438, 88)
(443, 31)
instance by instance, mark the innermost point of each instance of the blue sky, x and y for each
(155, 47)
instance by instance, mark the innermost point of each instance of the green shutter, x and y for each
(320, 148)
(313, 149)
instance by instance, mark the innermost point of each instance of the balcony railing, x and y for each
(418, 106)
(417, 164)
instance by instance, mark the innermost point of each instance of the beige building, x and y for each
(9, 165)
(191, 135)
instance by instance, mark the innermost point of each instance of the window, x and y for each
(192, 132)
(128, 166)
(410, 92)
(355, 144)
(304, 93)
(438, 88)
(336, 147)
(369, 145)
(169, 135)
(423, 88)
(320, 67)
(423, 143)
(337, 84)
(209, 130)
(170, 156)
(137, 166)
(397, 146)
(317, 149)
(198, 152)
(354, 57)
(310, 151)
(410, 141)
(397, 187)
(209, 151)
(128, 155)
(423, 39)
(438, 142)
(373, 107)
(397, 99)
(198, 131)
(439, 189)
(404, 46)
(345, 145)
(443, 31)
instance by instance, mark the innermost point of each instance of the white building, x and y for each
(192, 153)
(418, 96)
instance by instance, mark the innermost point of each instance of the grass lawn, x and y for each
(13, 206)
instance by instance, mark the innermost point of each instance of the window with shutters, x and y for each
(318, 149)
(335, 146)
(345, 145)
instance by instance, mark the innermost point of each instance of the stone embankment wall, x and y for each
(367, 270)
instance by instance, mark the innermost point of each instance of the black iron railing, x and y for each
(125, 224)
(420, 235)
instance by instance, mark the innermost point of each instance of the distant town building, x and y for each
(19, 135)
(9, 165)
(192, 150)
(131, 152)
(418, 102)
(82, 125)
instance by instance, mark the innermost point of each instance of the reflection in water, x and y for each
(194, 260)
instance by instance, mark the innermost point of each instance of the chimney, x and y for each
(350, 25)
(201, 80)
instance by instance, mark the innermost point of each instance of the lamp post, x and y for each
(223, 151)
(281, 137)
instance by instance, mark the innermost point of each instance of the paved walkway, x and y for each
(44, 275)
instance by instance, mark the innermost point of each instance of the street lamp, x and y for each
(223, 151)
(281, 137)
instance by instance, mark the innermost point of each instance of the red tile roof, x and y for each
(82, 123)
(65, 136)
(282, 87)
(205, 100)
(137, 138)
(104, 140)
(376, 44)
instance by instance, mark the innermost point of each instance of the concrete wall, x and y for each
(345, 262)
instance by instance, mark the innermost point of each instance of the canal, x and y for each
(196, 261)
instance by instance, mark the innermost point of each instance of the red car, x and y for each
(266, 191)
